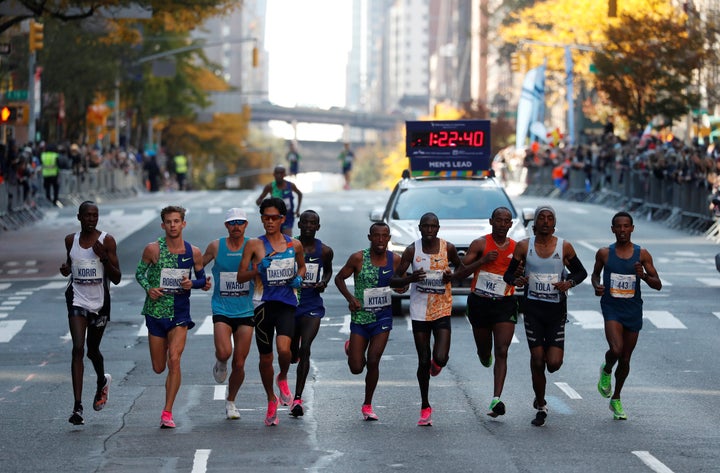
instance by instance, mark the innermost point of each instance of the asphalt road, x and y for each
(671, 397)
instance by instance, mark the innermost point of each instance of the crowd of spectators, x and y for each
(606, 160)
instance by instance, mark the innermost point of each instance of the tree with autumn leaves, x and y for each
(87, 56)
(644, 62)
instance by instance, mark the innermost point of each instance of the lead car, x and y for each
(463, 206)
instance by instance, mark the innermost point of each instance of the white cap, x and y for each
(235, 214)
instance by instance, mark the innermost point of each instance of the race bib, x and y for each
(230, 287)
(490, 285)
(87, 271)
(312, 274)
(280, 270)
(170, 279)
(540, 287)
(376, 298)
(622, 286)
(433, 283)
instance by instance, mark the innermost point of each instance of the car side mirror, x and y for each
(376, 215)
(528, 216)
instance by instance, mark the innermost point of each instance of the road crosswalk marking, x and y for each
(10, 328)
(593, 319)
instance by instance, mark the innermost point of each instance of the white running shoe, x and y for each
(220, 371)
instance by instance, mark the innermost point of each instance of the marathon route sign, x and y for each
(448, 147)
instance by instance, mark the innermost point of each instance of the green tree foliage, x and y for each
(646, 58)
(648, 65)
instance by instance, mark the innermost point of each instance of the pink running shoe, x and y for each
(434, 368)
(166, 420)
(296, 410)
(271, 418)
(425, 417)
(347, 347)
(367, 412)
(286, 396)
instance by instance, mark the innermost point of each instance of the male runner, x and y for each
(232, 307)
(545, 257)
(276, 263)
(370, 308)
(430, 302)
(164, 273)
(492, 307)
(310, 309)
(623, 264)
(284, 190)
(91, 262)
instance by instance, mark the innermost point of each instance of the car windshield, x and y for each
(454, 203)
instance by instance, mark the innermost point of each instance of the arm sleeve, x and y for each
(200, 280)
(509, 276)
(577, 271)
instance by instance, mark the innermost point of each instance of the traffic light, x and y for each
(36, 36)
(515, 62)
(8, 115)
(255, 57)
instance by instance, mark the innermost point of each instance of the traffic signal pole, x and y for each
(31, 96)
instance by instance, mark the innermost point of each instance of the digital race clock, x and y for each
(448, 147)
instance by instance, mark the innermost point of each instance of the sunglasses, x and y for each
(271, 218)
(236, 222)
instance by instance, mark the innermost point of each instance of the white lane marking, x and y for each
(711, 282)
(346, 324)
(408, 320)
(200, 460)
(11, 303)
(4, 286)
(515, 339)
(66, 338)
(717, 314)
(206, 328)
(3, 315)
(588, 319)
(346, 208)
(662, 319)
(570, 392)
(587, 245)
(10, 328)
(215, 210)
(54, 285)
(17, 298)
(142, 331)
(652, 462)
(219, 392)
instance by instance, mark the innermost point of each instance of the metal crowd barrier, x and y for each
(683, 205)
(17, 209)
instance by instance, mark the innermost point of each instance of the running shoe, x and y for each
(101, 396)
(367, 412)
(347, 347)
(231, 412)
(487, 363)
(541, 415)
(434, 368)
(166, 420)
(286, 396)
(271, 418)
(497, 408)
(425, 417)
(605, 382)
(220, 371)
(617, 409)
(77, 417)
(296, 410)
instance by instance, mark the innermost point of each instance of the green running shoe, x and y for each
(497, 407)
(605, 382)
(617, 410)
(488, 362)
